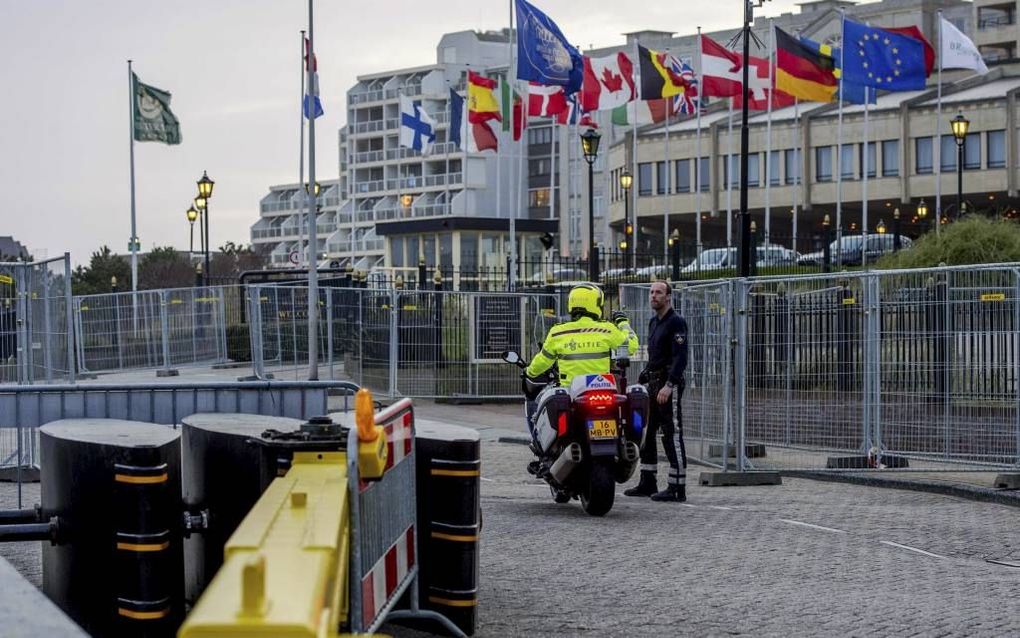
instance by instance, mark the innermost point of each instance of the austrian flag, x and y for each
(608, 82)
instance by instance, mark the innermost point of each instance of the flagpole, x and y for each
(552, 169)
(797, 165)
(313, 270)
(864, 179)
(633, 192)
(301, 151)
(937, 137)
(729, 180)
(768, 139)
(400, 153)
(512, 275)
(697, 159)
(839, 148)
(668, 189)
(131, 134)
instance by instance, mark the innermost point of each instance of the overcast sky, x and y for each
(233, 68)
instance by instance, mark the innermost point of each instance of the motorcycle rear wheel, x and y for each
(598, 496)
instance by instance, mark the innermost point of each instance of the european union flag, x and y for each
(882, 59)
(543, 53)
(850, 92)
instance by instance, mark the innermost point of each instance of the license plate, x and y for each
(602, 429)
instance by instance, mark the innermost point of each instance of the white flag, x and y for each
(958, 51)
(417, 129)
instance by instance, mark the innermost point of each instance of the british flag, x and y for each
(685, 102)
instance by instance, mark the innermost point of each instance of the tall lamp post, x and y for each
(959, 124)
(626, 181)
(199, 205)
(590, 147)
(896, 245)
(922, 212)
(192, 215)
(826, 247)
(205, 191)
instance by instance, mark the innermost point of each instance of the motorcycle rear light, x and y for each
(562, 424)
(601, 399)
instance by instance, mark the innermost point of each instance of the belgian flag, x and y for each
(660, 75)
(802, 72)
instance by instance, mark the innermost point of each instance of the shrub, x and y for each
(972, 240)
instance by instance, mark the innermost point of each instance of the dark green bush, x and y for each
(972, 240)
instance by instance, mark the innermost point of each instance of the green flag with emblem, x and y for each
(153, 119)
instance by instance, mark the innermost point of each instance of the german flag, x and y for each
(660, 75)
(802, 72)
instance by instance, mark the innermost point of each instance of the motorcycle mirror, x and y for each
(511, 357)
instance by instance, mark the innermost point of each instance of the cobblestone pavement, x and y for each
(804, 558)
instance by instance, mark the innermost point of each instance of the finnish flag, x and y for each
(417, 129)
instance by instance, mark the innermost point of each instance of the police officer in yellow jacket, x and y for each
(584, 344)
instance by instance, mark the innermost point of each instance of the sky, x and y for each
(233, 68)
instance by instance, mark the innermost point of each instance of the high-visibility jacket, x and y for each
(581, 346)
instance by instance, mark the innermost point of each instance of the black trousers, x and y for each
(665, 419)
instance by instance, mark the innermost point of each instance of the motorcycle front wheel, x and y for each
(597, 497)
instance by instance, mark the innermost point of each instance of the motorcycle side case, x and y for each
(551, 403)
(637, 419)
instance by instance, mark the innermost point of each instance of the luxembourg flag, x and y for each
(311, 100)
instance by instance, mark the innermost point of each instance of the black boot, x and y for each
(672, 493)
(645, 487)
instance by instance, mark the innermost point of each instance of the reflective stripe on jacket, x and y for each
(582, 346)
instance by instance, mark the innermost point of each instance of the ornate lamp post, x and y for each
(626, 181)
(205, 191)
(192, 215)
(590, 147)
(959, 124)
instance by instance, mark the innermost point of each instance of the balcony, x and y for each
(275, 207)
(370, 126)
(369, 156)
(369, 187)
(266, 233)
(367, 96)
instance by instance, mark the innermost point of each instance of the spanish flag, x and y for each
(482, 107)
(660, 75)
(802, 72)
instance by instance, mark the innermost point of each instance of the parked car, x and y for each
(847, 250)
(658, 271)
(558, 274)
(723, 258)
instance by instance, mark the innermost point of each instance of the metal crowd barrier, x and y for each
(384, 546)
(907, 370)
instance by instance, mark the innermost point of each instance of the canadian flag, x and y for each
(608, 82)
(545, 101)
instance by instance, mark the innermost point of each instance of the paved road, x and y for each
(807, 558)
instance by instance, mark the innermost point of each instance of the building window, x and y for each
(846, 161)
(538, 198)
(683, 176)
(823, 164)
(468, 251)
(923, 163)
(704, 178)
(540, 135)
(397, 251)
(871, 160)
(996, 149)
(731, 173)
(772, 168)
(661, 178)
(446, 251)
(644, 179)
(791, 157)
(890, 158)
(971, 152)
(538, 167)
(429, 242)
(753, 173)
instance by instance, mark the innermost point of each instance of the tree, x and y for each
(233, 259)
(975, 239)
(96, 277)
(165, 267)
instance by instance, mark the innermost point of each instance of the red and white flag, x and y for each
(721, 70)
(545, 101)
(608, 82)
(761, 90)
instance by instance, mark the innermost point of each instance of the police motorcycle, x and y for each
(587, 436)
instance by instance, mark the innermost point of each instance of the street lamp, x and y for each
(113, 283)
(626, 181)
(674, 246)
(192, 215)
(880, 228)
(205, 191)
(826, 248)
(959, 124)
(896, 229)
(590, 147)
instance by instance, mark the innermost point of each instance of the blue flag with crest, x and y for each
(543, 54)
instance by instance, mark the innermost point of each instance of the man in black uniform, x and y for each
(664, 376)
